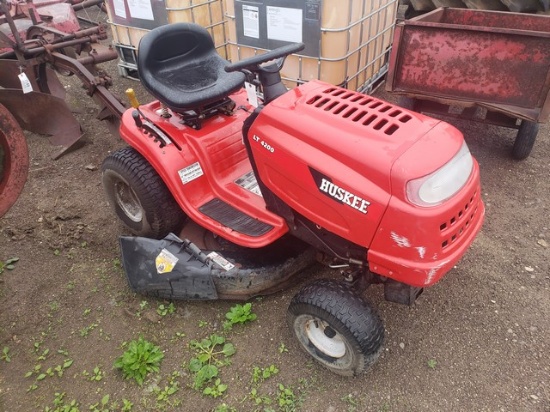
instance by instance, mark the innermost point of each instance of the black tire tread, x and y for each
(162, 211)
(525, 139)
(346, 307)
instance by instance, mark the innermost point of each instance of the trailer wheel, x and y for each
(139, 196)
(14, 160)
(525, 139)
(336, 326)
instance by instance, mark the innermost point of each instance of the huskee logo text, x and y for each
(343, 196)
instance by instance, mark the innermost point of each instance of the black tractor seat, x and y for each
(178, 64)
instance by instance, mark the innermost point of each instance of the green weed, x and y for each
(54, 306)
(216, 390)
(352, 402)
(211, 353)
(85, 331)
(239, 314)
(177, 336)
(224, 408)
(259, 399)
(6, 354)
(101, 406)
(163, 395)
(261, 374)
(141, 358)
(286, 399)
(164, 310)
(126, 405)
(59, 404)
(8, 264)
(95, 376)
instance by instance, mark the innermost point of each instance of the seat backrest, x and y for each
(173, 42)
(179, 65)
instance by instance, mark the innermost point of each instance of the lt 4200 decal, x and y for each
(265, 145)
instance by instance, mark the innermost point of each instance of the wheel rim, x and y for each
(325, 338)
(335, 352)
(127, 200)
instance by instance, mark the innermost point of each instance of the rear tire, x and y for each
(139, 196)
(525, 139)
(336, 326)
(14, 160)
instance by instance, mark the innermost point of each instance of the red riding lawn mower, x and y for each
(257, 194)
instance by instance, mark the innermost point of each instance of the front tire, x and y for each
(525, 139)
(336, 326)
(139, 196)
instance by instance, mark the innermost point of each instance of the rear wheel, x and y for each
(336, 326)
(139, 196)
(14, 160)
(525, 139)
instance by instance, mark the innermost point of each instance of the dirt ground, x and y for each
(476, 341)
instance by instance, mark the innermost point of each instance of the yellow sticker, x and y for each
(165, 262)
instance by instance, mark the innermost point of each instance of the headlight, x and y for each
(435, 188)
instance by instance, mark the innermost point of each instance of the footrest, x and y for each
(227, 215)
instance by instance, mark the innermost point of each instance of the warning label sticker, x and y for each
(221, 261)
(165, 262)
(248, 182)
(190, 173)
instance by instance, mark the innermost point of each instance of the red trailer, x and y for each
(493, 65)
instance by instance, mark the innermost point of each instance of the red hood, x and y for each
(364, 133)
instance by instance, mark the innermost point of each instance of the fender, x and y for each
(204, 166)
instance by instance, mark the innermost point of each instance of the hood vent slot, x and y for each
(361, 109)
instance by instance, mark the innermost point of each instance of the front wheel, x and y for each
(525, 139)
(336, 326)
(139, 196)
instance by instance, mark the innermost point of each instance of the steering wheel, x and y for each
(253, 63)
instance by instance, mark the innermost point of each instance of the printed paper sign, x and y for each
(120, 10)
(284, 24)
(251, 21)
(141, 9)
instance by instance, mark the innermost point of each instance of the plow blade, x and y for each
(43, 114)
(45, 79)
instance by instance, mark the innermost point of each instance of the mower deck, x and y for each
(208, 268)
